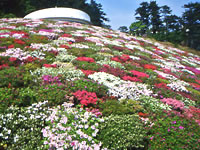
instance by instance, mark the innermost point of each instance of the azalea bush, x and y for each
(16, 126)
(72, 128)
(122, 132)
(119, 108)
(86, 98)
(173, 132)
(12, 77)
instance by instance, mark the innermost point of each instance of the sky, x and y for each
(122, 12)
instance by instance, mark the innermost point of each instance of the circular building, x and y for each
(61, 14)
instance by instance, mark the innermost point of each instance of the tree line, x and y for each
(20, 8)
(159, 22)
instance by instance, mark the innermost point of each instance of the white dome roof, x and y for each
(61, 13)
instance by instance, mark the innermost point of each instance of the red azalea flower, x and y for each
(11, 46)
(12, 59)
(195, 85)
(88, 59)
(150, 66)
(139, 74)
(50, 66)
(198, 81)
(30, 59)
(65, 46)
(162, 85)
(109, 36)
(134, 79)
(125, 57)
(142, 114)
(116, 59)
(88, 72)
(85, 97)
(66, 35)
(3, 66)
(18, 41)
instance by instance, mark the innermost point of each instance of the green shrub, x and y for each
(81, 52)
(173, 132)
(122, 132)
(22, 97)
(159, 80)
(6, 98)
(11, 77)
(116, 108)
(53, 93)
(135, 105)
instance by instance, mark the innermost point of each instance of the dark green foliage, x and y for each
(81, 52)
(173, 132)
(116, 108)
(12, 77)
(27, 96)
(122, 132)
(53, 93)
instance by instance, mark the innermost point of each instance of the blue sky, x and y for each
(121, 12)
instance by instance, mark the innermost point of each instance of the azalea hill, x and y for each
(72, 86)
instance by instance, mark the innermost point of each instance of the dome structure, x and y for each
(60, 13)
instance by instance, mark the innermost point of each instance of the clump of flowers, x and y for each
(47, 79)
(20, 128)
(122, 132)
(150, 66)
(94, 111)
(88, 59)
(115, 71)
(152, 104)
(176, 104)
(50, 65)
(113, 64)
(71, 128)
(69, 74)
(139, 74)
(173, 132)
(88, 72)
(122, 58)
(86, 98)
(133, 79)
(178, 86)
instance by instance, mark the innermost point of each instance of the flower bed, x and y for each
(72, 86)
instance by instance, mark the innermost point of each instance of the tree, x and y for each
(144, 14)
(155, 16)
(12, 9)
(191, 23)
(166, 12)
(96, 13)
(123, 29)
(136, 28)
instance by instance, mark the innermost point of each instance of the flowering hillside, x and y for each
(72, 86)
